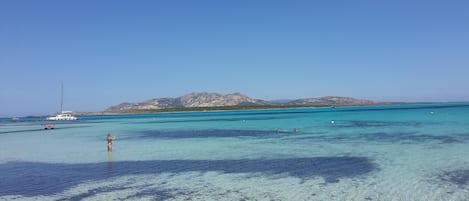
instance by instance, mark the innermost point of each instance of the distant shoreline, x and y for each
(196, 109)
(238, 108)
(231, 108)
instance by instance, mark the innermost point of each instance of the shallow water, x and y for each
(408, 152)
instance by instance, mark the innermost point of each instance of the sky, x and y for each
(112, 51)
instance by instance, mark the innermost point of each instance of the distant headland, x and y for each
(204, 101)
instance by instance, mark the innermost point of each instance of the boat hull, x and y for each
(62, 117)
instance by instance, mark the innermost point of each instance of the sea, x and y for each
(395, 152)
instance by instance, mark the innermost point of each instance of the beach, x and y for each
(392, 152)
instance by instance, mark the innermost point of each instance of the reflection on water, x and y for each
(109, 157)
(109, 163)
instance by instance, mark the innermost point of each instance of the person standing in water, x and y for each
(109, 139)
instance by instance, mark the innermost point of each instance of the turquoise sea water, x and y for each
(406, 152)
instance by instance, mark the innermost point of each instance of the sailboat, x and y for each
(62, 115)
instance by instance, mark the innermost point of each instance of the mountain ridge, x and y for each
(206, 99)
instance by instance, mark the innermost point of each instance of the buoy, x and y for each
(332, 121)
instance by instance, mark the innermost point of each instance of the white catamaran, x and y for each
(62, 115)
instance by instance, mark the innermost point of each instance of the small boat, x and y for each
(62, 115)
(49, 126)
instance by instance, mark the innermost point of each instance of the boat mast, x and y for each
(62, 99)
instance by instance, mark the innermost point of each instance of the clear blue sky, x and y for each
(108, 52)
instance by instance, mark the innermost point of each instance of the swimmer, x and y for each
(109, 139)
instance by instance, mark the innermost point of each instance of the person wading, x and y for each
(109, 139)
